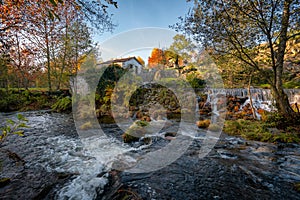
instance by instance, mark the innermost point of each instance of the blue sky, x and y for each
(138, 14)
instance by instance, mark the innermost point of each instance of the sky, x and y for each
(134, 19)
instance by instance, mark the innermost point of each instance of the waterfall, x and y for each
(262, 98)
(213, 98)
(261, 94)
(257, 93)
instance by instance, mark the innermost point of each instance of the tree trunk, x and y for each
(282, 101)
(48, 56)
(64, 56)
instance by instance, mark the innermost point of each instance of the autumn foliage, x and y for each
(164, 58)
(157, 58)
(47, 36)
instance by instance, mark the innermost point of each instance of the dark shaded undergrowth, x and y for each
(27, 100)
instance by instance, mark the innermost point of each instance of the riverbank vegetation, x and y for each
(264, 131)
(32, 99)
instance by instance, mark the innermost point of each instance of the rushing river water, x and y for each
(52, 144)
(56, 165)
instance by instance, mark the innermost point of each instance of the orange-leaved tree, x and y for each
(157, 58)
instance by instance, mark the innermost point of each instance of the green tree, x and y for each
(182, 46)
(75, 41)
(238, 28)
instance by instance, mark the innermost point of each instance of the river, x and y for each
(56, 165)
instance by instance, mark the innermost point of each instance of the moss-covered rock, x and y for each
(127, 138)
(135, 131)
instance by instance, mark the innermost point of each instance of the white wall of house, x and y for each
(133, 65)
(127, 63)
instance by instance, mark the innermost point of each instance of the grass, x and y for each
(260, 131)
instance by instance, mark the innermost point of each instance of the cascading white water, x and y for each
(98, 158)
(213, 97)
(257, 93)
(262, 98)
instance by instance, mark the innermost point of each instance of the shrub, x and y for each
(173, 81)
(286, 138)
(233, 127)
(274, 119)
(13, 127)
(62, 104)
(142, 123)
(127, 138)
(15, 100)
(4, 181)
(195, 82)
(203, 123)
(258, 135)
(265, 86)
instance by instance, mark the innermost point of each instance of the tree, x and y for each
(238, 28)
(4, 64)
(173, 59)
(23, 61)
(49, 25)
(157, 58)
(182, 46)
